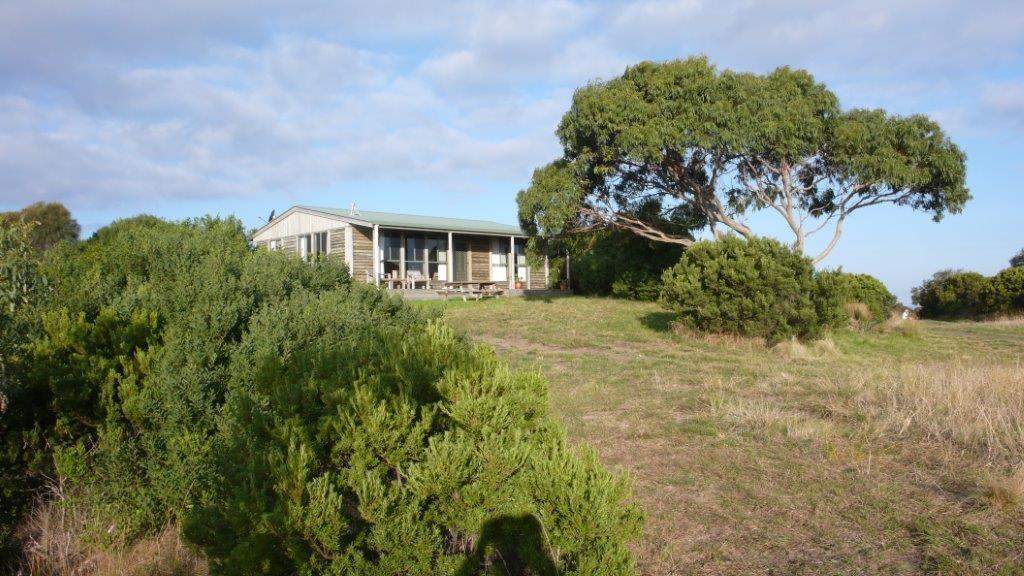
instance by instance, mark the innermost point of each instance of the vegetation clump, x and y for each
(953, 294)
(755, 287)
(708, 147)
(621, 265)
(289, 419)
(842, 298)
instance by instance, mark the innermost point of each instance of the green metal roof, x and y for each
(391, 220)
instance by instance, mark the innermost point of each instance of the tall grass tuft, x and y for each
(973, 407)
(57, 542)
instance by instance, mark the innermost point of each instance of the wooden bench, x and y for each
(474, 293)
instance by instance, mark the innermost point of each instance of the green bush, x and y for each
(1005, 292)
(293, 421)
(621, 264)
(836, 291)
(21, 453)
(376, 443)
(637, 285)
(952, 294)
(754, 287)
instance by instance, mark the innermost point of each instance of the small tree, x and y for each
(755, 287)
(708, 147)
(1018, 259)
(51, 223)
(952, 294)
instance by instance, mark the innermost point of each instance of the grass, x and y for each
(895, 452)
(58, 542)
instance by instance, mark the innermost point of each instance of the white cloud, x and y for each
(105, 102)
(1005, 99)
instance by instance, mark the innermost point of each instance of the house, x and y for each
(382, 247)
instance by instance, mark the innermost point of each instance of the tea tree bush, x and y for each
(1005, 292)
(376, 443)
(755, 287)
(21, 456)
(837, 290)
(293, 421)
(952, 294)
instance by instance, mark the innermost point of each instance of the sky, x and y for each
(196, 107)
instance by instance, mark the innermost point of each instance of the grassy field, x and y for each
(867, 453)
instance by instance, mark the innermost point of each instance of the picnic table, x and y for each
(471, 289)
(409, 282)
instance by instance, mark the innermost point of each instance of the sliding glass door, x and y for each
(499, 260)
(461, 260)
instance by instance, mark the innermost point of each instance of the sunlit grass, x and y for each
(793, 459)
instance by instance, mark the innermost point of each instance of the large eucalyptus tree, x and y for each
(708, 147)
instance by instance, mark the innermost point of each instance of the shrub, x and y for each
(1017, 261)
(754, 287)
(636, 285)
(295, 422)
(621, 264)
(1005, 292)
(837, 292)
(21, 454)
(952, 294)
(376, 444)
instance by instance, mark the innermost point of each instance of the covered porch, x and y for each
(412, 259)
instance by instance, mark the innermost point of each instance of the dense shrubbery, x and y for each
(754, 287)
(958, 294)
(621, 264)
(1005, 293)
(951, 294)
(290, 420)
(50, 223)
(20, 286)
(840, 294)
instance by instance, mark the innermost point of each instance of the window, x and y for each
(499, 260)
(391, 250)
(275, 244)
(312, 245)
(520, 256)
(437, 257)
(320, 243)
(415, 250)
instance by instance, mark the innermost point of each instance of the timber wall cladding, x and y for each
(362, 252)
(538, 279)
(289, 245)
(337, 243)
(480, 258)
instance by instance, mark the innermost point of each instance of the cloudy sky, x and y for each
(216, 106)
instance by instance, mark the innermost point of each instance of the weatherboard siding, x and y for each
(290, 245)
(296, 224)
(336, 243)
(480, 258)
(362, 253)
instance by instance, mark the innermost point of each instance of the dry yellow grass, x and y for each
(56, 543)
(858, 311)
(973, 407)
(1007, 491)
(794, 349)
(876, 452)
(909, 326)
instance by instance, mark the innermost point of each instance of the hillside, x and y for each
(865, 453)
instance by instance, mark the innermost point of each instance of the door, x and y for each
(499, 261)
(461, 260)
(521, 261)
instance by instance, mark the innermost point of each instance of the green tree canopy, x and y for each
(707, 147)
(1018, 259)
(52, 222)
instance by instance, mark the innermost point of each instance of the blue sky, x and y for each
(224, 107)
